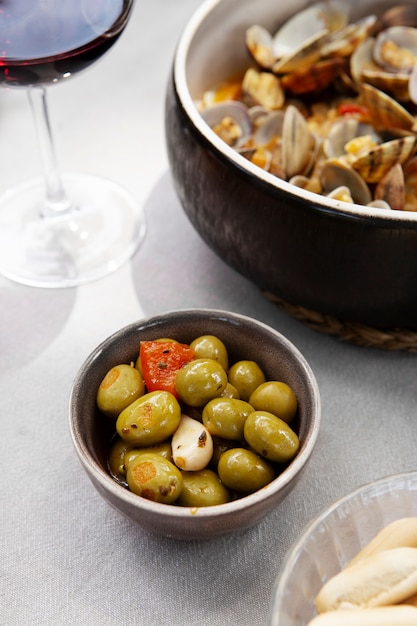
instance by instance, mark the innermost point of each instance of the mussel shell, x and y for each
(404, 37)
(337, 173)
(308, 53)
(259, 44)
(343, 131)
(385, 112)
(342, 194)
(268, 127)
(396, 85)
(344, 41)
(376, 163)
(362, 59)
(364, 69)
(306, 182)
(313, 78)
(391, 188)
(298, 143)
(308, 25)
(215, 113)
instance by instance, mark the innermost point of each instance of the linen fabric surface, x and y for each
(67, 558)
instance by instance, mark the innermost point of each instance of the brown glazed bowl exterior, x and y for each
(245, 338)
(355, 263)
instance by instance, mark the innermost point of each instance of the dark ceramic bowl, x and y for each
(244, 338)
(355, 263)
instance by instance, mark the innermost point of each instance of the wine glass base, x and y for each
(97, 236)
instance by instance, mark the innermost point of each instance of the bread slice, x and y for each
(384, 578)
(397, 534)
(381, 616)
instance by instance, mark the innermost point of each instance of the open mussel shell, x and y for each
(308, 53)
(385, 112)
(267, 127)
(236, 113)
(364, 69)
(308, 25)
(395, 49)
(342, 194)
(299, 42)
(342, 132)
(396, 85)
(306, 182)
(391, 189)
(374, 164)
(337, 173)
(313, 78)
(361, 60)
(298, 143)
(259, 44)
(344, 41)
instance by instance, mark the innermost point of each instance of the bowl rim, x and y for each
(108, 484)
(318, 202)
(285, 570)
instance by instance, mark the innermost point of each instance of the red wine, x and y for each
(43, 41)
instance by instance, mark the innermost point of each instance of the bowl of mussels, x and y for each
(291, 137)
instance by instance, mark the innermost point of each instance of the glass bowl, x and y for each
(331, 540)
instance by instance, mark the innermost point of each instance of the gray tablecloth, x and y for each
(66, 557)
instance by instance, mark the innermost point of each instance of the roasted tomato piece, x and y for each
(351, 108)
(160, 361)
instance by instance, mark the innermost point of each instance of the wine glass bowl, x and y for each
(46, 41)
(61, 231)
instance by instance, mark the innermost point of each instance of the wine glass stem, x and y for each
(56, 201)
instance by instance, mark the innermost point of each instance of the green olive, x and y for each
(154, 478)
(225, 417)
(164, 449)
(275, 397)
(271, 437)
(200, 381)
(202, 488)
(121, 386)
(244, 471)
(149, 420)
(116, 459)
(246, 376)
(230, 392)
(211, 347)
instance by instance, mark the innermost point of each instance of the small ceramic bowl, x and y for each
(329, 542)
(244, 338)
(356, 263)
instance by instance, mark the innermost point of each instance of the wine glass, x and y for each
(61, 231)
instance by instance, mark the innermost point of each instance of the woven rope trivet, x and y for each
(359, 334)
